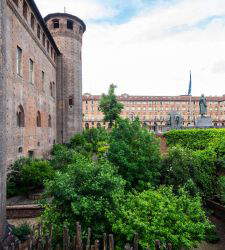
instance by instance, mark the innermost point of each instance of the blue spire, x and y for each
(190, 85)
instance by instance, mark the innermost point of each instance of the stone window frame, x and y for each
(25, 9)
(19, 56)
(71, 101)
(55, 23)
(69, 24)
(43, 80)
(20, 115)
(32, 20)
(31, 71)
(49, 121)
(20, 150)
(38, 119)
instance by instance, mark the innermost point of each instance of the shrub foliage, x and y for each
(85, 192)
(159, 214)
(135, 152)
(195, 139)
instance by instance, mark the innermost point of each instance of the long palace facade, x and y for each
(153, 111)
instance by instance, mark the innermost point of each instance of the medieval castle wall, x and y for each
(42, 75)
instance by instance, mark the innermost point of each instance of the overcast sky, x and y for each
(148, 47)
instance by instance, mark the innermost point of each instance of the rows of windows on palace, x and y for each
(92, 113)
(19, 70)
(36, 27)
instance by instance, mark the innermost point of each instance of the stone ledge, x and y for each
(23, 211)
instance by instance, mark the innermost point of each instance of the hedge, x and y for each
(195, 139)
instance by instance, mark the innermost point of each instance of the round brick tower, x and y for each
(67, 31)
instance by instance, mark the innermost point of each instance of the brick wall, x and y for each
(3, 72)
(33, 97)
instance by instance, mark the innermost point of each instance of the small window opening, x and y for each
(25, 8)
(38, 119)
(20, 150)
(43, 79)
(31, 71)
(31, 153)
(38, 144)
(98, 125)
(70, 24)
(87, 125)
(19, 60)
(80, 30)
(49, 121)
(32, 19)
(71, 103)
(55, 23)
(20, 117)
(51, 89)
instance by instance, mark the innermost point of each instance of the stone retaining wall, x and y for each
(23, 211)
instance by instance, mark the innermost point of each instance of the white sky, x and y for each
(152, 52)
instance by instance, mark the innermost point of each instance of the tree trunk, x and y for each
(3, 133)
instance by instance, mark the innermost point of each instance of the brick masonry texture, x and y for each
(3, 72)
(57, 77)
(58, 55)
(153, 110)
(69, 42)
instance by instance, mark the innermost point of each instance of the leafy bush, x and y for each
(196, 139)
(27, 174)
(195, 170)
(22, 231)
(85, 192)
(221, 187)
(159, 214)
(62, 156)
(87, 142)
(136, 153)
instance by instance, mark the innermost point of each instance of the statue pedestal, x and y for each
(204, 122)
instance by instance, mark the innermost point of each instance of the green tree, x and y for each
(195, 170)
(28, 175)
(136, 153)
(89, 140)
(159, 214)
(109, 106)
(85, 192)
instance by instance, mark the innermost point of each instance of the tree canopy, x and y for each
(109, 106)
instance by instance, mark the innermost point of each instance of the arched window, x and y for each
(98, 125)
(20, 117)
(38, 119)
(87, 125)
(49, 121)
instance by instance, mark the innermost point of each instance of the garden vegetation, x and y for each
(117, 181)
